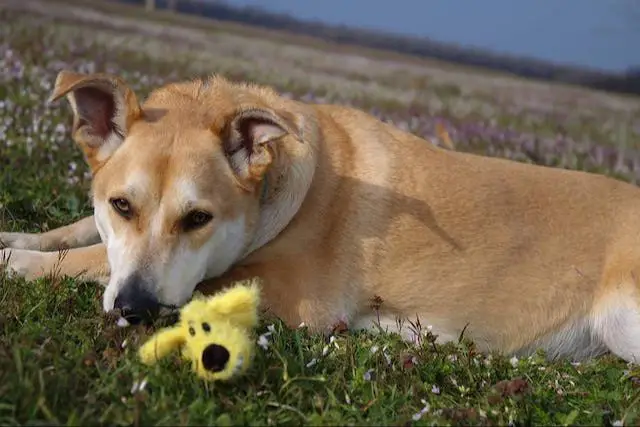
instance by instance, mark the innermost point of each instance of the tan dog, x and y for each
(214, 181)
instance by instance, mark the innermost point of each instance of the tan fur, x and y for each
(523, 256)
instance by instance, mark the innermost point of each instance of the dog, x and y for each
(210, 181)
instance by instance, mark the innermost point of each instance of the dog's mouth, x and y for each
(168, 314)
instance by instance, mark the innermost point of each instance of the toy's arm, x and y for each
(160, 345)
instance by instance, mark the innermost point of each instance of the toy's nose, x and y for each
(215, 357)
(136, 304)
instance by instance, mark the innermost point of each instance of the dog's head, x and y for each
(177, 181)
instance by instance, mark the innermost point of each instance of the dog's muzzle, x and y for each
(135, 303)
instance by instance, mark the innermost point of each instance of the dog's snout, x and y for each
(215, 358)
(136, 304)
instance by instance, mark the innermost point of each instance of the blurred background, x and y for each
(589, 42)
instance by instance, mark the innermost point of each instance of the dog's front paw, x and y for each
(23, 263)
(20, 241)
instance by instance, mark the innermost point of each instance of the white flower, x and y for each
(302, 325)
(374, 349)
(463, 389)
(325, 350)
(435, 389)
(368, 375)
(263, 341)
(618, 423)
(138, 386)
(423, 411)
(312, 362)
(514, 361)
(386, 355)
(332, 340)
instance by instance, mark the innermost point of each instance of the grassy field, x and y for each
(62, 361)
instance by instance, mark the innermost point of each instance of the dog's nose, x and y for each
(215, 357)
(136, 304)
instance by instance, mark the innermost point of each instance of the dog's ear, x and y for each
(104, 108)
(249, 136)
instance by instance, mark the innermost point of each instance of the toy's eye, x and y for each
(192, 331)
(206, 327)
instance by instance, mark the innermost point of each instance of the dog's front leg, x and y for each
(88, 263)
(79, 234)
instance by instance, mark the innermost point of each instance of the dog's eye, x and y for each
(206, 327)
(195, 219)
(122, 206)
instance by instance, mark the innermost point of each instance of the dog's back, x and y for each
(515, 253)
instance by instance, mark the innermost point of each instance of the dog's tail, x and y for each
(444, 136)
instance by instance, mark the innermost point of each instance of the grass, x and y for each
(62, 361)
(64, 364)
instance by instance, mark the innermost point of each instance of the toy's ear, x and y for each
(161, 344)
(238, 304)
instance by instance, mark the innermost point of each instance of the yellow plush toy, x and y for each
(215, 333)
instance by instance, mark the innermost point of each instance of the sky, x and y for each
(602, 34)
